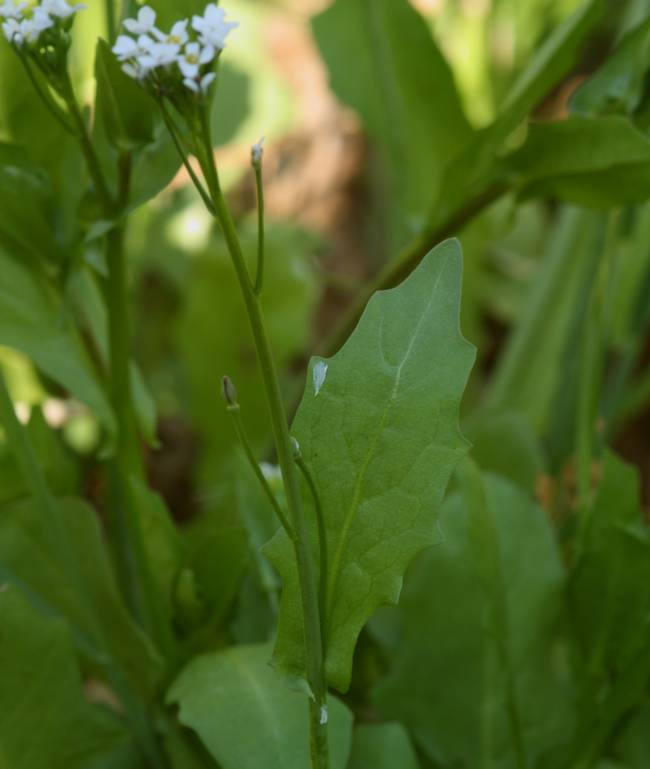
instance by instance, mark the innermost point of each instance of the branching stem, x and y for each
(235, 412)
(304, 559)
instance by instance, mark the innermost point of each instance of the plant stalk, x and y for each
(308, 589)
(235, 412)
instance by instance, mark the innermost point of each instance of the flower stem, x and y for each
(322, 542)
(235, 412)
(92, 161)
(259, 275)
(309, 593)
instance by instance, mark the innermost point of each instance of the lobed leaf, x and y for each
(381, 437)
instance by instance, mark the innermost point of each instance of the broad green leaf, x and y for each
(402, 88)
(45, 719)
(34, 320)
(248, 717)
(378, 426)
(28, 562)
(609, 605)
(591, 161)
(121, 103)
(382, 746)
(618, 86)
(479, 677)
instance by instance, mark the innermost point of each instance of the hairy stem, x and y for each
(309, 593)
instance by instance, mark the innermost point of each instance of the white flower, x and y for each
(212, 27)
(127, 48)
(12, 31)
(158, 55)
(257, 150)
(60, 8)
(192, 57)
(144, 22)
(30, 29)
(202, 85)
(177, 36)
(9, 10)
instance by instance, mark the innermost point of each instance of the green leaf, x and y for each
(45, 719)
(505, 444)
(479, 677)
(121, 103)
(552, 62)
(633, 745)
(34, 320)
(27, 222)
(475, 170)
(163, 545)
(618, 86)
(610, 605)
(248, 717)
(382, 746)
(596, 162)
(28, 562)
(378, 425)
(402, 88)
(530, 370)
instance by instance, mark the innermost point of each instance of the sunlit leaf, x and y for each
(381, 437)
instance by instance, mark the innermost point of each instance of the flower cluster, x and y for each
(186, 53)
(23, 25)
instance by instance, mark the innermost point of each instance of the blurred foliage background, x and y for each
(362, 106)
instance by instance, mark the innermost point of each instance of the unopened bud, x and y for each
(295, 449)
(228, 391)
(257, 150)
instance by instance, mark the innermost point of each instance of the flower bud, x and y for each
(228, 391)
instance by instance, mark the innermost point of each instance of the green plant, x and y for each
(393, 594)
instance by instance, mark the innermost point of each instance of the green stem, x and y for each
(128, 466)
(322, 542)
(49, 103)
(111, 25)
(92, 161)
(308, 590)
(235, 412)
(259, 275)
(173, 132)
